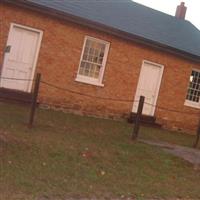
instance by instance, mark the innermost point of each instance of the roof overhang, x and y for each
(103, 28)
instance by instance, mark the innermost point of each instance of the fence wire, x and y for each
(172, 110)
(122, 100)
(102, 98)
(87, 95)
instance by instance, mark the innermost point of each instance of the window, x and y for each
(193, 93)
(93, 61)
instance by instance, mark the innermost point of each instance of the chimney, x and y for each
(181, 11)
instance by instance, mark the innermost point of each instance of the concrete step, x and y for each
(145, 120)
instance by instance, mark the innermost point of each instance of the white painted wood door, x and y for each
(20, 61)
(148, 86)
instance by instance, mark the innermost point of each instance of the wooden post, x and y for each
(198, 135)
(34, 100)
(138, 117)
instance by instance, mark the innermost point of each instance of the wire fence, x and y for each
(83, 94)
(98, 97)
(172, 110)
(37, 81)
(48, 84)
(120, 100)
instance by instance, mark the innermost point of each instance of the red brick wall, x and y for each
(59, 60)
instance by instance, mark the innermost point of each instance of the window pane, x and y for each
(85, 56)
(89, 69)
(94, 73)
(193, 93)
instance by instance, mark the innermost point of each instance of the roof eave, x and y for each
(103, 28)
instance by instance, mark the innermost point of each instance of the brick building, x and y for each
(116, 51)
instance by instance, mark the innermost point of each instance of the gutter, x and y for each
(101, 27)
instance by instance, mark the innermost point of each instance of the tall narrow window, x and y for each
(93, 61)
(193, 93)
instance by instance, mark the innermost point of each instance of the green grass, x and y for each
(65, 155)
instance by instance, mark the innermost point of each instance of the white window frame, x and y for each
(90, 80)
(192, 103)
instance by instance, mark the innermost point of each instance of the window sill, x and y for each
(191, 104)
(90, 82)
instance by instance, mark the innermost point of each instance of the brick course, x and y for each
(59, 60)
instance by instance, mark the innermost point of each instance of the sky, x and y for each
(169, 7)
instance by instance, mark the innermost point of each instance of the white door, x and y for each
(20, 58)
(148, 86)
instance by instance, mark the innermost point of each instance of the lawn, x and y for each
(66, 155)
